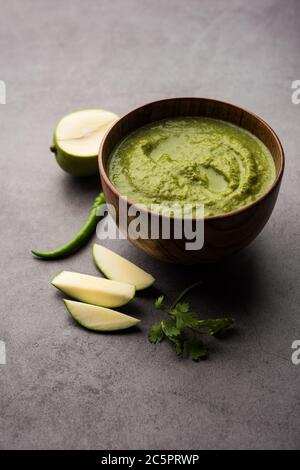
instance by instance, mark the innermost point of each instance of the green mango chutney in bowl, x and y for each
(192, 160)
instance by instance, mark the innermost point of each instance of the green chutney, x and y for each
(192, 160)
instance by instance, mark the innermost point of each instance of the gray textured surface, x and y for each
(64, 387)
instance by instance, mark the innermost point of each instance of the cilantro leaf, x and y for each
(177, 343)
(182, 327)
(217, 325)
(159, 302)
(156, 334)
(184, 317)
(169, 328)
(195, 348)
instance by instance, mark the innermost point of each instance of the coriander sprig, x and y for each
(182, 327)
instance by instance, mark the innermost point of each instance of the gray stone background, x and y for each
(64, 387)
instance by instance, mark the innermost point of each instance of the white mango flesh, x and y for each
(99, 318)
(94, 290)
(81, 133)
(117, 268)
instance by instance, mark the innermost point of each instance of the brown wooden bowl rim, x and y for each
(279, 174)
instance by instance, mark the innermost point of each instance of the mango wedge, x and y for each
(99, 318)
(117, 268)
(94, 290)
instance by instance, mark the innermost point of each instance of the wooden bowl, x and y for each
(223, 234)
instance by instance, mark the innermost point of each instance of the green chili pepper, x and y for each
(82, 236)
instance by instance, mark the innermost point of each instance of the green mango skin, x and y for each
(75, 165)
